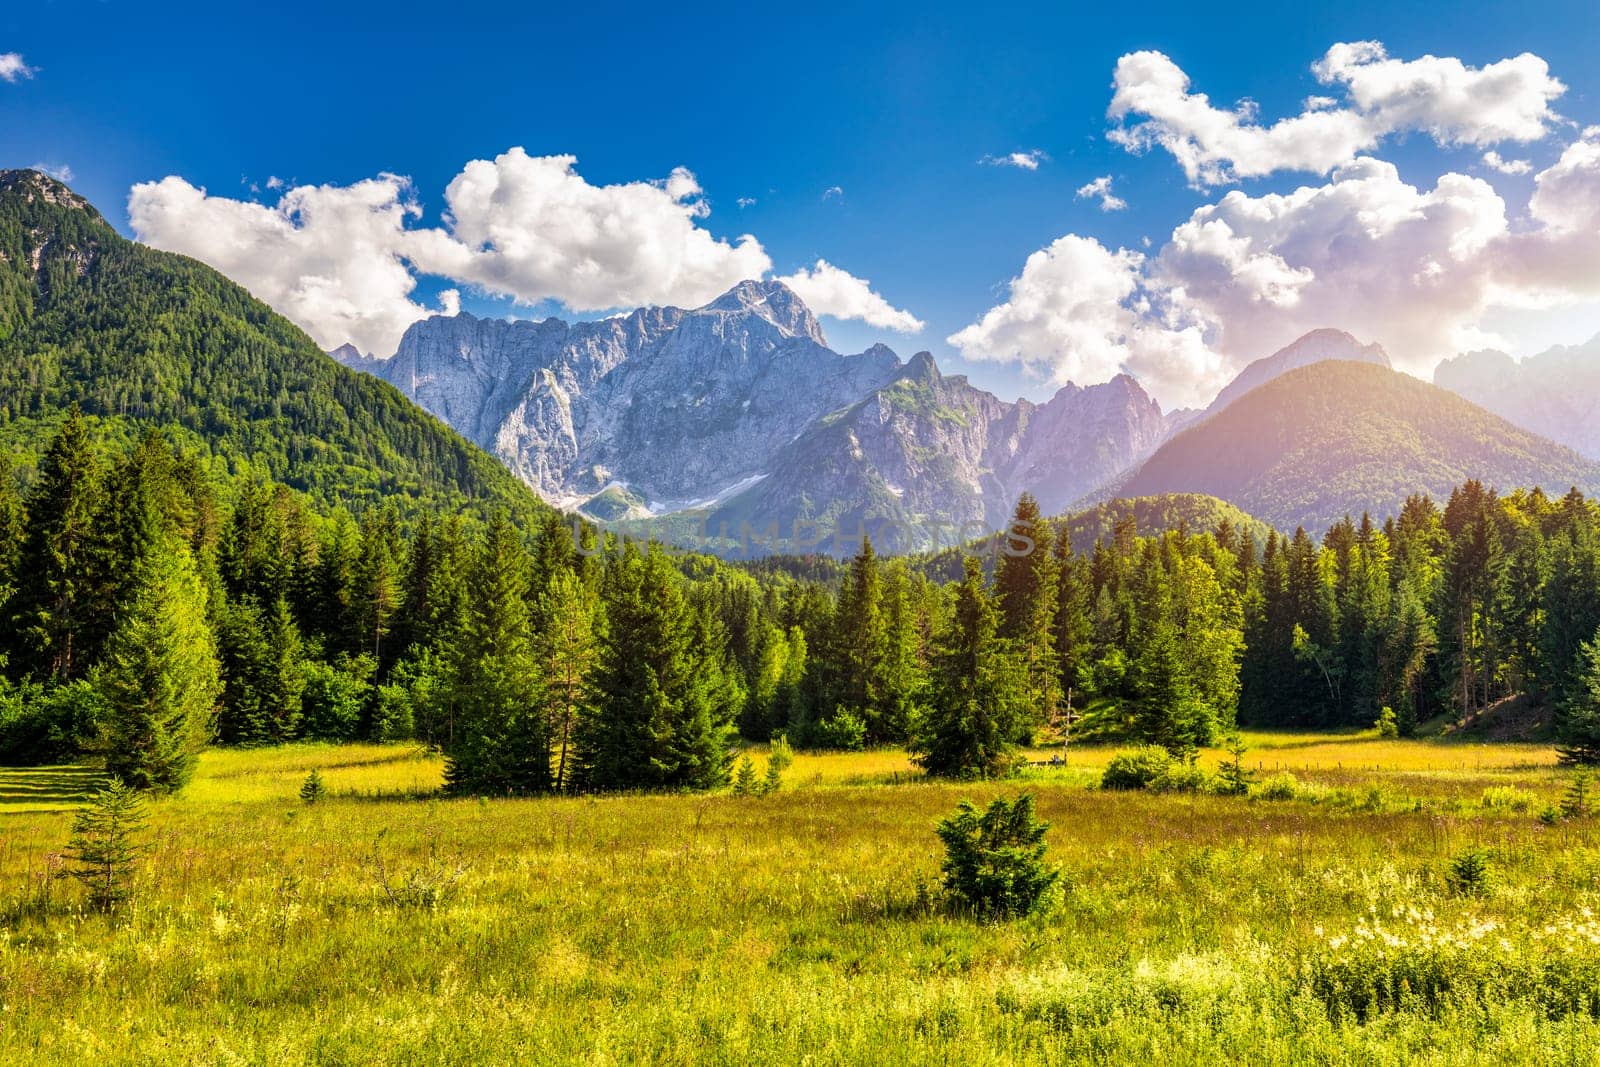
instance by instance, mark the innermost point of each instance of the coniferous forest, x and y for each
(153, 606)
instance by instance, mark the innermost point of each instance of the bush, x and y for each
(994, 862)
(40, 726)
(846, 731)
(1508, 798)
(1136, 769)
(779, 758)
(335, 698)
(1387, 724)
(1283, 786)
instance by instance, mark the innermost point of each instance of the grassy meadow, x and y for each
(1315, 922)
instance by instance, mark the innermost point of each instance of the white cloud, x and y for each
(1419, 270)
(61, 172)
(1080, 312)
(1451, 102)
(827, 290)
(832, 191)
(746, 201)
(13, 69)
(343, 261)
(1493, 161)
(1101, 188)
(328, 257)
(531, 228)
(1028, 160)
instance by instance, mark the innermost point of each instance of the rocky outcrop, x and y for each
(1555, 393)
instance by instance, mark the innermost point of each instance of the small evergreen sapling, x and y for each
(105, 845)
(994, 862)
(312, 789)
(1233, 776)
(779, 759)
(1576, 803)
(744, 778)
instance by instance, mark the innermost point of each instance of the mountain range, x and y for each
(739, 412)
(1555, 393)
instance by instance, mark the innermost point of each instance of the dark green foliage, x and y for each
(994, 862)
(160, 677)
(745, 783)
(334, 700)
(979, 692)
(106, 846)
(1579, 723)
(41, 725)
(501, 740)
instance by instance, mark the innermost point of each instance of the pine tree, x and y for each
(105, 846)
(862, 642)
(160, 676)
(378, 586)
(1026, 581)
(1578, 727)
(661, 720)
(56, 597)
(501, 741)
(567, 650)
(312, 789)
(744, 778)
(979, 692)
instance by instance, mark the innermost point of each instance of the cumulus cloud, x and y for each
(343, 261)
(531, 228)
(832, 191)
(13, 69)
(1414, 268)
(827, 290)
(1453, 103)
(1028, 160)
(1492, 160)
(1100, 189)
(329, 257)
(1081, 312)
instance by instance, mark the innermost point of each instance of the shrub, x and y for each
(780, 757)
(994, 862)
(105, 845)
(846, 731)
(1284, 786)
(40, 726)
(1387, 724)
(335, 697)
(1469, 872)
(1182, 777)
(1137, 768)
(1508, 798)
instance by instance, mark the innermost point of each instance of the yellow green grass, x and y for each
(381, 926)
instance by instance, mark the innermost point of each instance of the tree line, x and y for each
(149, 606)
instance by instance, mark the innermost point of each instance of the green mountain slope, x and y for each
(1157, 514)
(1341, 438)
(127, 332)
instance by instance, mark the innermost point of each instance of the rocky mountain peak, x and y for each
(773, 301)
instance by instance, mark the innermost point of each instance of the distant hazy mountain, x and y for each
(1339, 437)
(1555, 393)
(1315, 347)
(739, 411)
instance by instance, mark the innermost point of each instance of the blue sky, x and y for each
(778, 104)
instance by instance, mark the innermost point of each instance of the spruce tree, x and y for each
(661, 719)
(861, 642)
(1578, 727)
(160, 676)
(106, 846)
(568, 654)
(978, 698)
(57, 597)
(500, 742)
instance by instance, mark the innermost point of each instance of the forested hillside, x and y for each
(1338, 438)
(90, 318)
